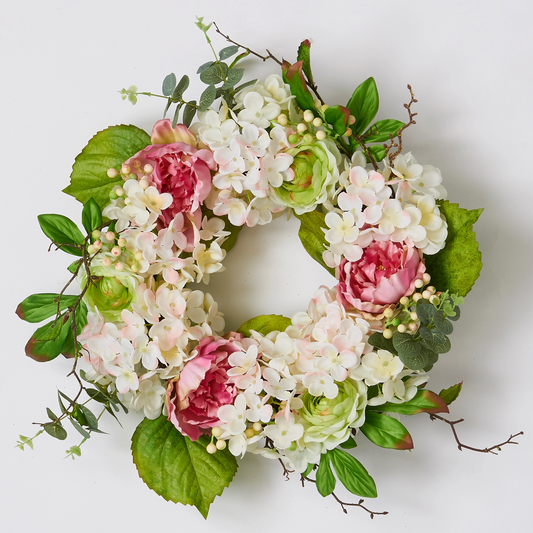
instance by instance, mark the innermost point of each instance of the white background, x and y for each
(470, 64)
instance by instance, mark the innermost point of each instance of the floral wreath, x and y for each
(161, 211)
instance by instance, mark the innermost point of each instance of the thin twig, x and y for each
(460, 445)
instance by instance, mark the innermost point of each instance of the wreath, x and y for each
(162, 210)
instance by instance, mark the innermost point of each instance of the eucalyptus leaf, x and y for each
(443, 325)
(207, 98)
(176, 117)
(181, 87)
(189, 112)
(91, 419)
(377, 340)
(215, 74)
(425, 310)
(169, 84)
(55, 430)
(51, 414)
(85, 434)
(203, 67)
(234, 76)
(228, 51)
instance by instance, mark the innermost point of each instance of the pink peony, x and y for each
(179, 169)
(386, 272)
(202, 387)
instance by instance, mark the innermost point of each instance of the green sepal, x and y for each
(451, 394)
(352, 474)
(380, 130)
(178, 469)
(458, 265)
(264, 324)
(364, 105)
(62, 232)
(91, 216)
(424, 401)
(107, 149)
(386, 432)
(337, 116)
(47, 342)
(293, 75)
(325, 480)
(39, 307)
(313, 237)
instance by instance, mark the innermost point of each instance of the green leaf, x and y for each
(79, 429)
(424, 401)
(352, 474)
(377, 340)
(451, 394)
(181, 87)
(325, 480)
(442, 324)
(386, 432)
(234, 76)
(169, 84)
(377, 151)
(62, 231)
(293, 75)
(107, 149)
(56, 430)
(231, 239)
(207, 98)
(405, 345)
(92, 421)
(437, 346)
(189, 112)
(203, 67)
(264, 324)
(179, 469)
(216, 73)
(228, 51)
(349, 444)
(244, 85)
(68, 349)
(176, 114)
(39, 307)
(304, 55)
(47, 342)
(380, 130)
(312, 236)
(308, 470)
(364, 105)
(338, 117)
(91, 216)
(51, 414)
(458, 265)
(425, 310)
(73, 267)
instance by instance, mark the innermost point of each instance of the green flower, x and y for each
(315, 167)
(111, 292)
(330, 421)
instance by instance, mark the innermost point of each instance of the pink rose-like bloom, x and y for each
(178, 169)
(385, 273)
(202, 387)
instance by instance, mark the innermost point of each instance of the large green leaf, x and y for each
(424, 401)
(264, 324)
(386, 432)
(62, 232)
(382, 129)
(91, 216)
(39, 307)
(313, 237)
(458, 265)
(325, 480)
(364, 105)
(352, 474)
(179, 469)
(107, 149)
(47, 342)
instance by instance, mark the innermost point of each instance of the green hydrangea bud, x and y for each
(330, 421)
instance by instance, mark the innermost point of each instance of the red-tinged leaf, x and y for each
(424, 401)
(338, 117)
(293, 75)
(451, 394)
(386, 432)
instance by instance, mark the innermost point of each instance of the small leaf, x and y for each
(386, 432)
(380, 131)
(207, 98)
(73, 267)
(405, 344)
(304, 55)
(178, 469)
(377, 340)
(442, 324)
(91, 216)
(92, 421)
(234, 76)
(437, 346)
(96, 395)
(39, 307)
(216, 73)
(244, 85)
(169, 84)
(451, 394)
(228, 51)
(51, 414)
(308, 470)
(377, 151)
(47, 342)
(176, 117)
(425, 310)
(424, 401)
(352, 474)
(325, 480)
(457, 266)
(189, 112)
(79, 429)
(203, 67)
(56, 430)
(264, 324)
(62, 232)
(338, 117)
(364, 105)
(349, 444)
(312, 236)
(74, 450)
(181, 87)
(293, 75)
(107, 149)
